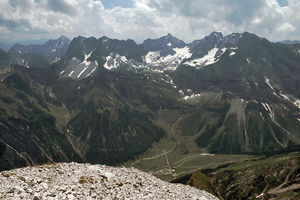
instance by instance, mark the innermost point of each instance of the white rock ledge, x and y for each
(85, 181)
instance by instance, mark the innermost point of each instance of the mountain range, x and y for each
(109, 101)
(289, 42)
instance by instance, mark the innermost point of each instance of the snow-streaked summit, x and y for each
(163, 54)
(85, 181)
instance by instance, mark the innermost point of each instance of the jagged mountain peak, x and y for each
(117, 42)
(170, 38)
(164, 53)
(80, 46)
(216, 34)
(214, 37)
(81, 40)
(169, 35)
(160, 54)
(131, 41)
(165, 42)
(252, 36)
(79, 37)
(62, 37)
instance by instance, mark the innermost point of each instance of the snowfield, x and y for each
(171, 62)
(208, 59)
(85, 181)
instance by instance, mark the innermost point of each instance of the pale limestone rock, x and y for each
(85, 181)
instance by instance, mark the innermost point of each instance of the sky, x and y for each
(22, 20)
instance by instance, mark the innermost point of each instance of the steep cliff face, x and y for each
(85, 181)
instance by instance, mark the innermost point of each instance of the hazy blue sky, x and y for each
(141, 19)
(109, 4)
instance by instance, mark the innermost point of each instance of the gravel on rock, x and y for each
(85, 181)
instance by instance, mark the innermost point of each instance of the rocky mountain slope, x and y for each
(271, 177)
(108, 101)
(199, 181)
(85, 181)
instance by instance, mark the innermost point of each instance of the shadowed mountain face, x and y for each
(4, 58)
(100, 99)
(270, 177)
(70, 120)
(4, 46)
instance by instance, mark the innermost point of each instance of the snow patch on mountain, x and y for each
(92, 71)
(244, 102)
(5, 70)
(210, 58)
(261, 115)
(86, 57)
(232, 53)
(269, 110)
(110, 63)
(297, 103)
(71, 73)
(158, 71)
(169, 81)
(78, 69)
(86, 63)
(85, 181)
(191, 97)
(84, 69)
(55, 60)
(169, 62)
(267, 81)
(291, 99)
(152, 57)
(114, 61)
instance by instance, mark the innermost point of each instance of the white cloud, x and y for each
(188, 20)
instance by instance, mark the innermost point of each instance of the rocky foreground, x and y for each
(85, 181)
